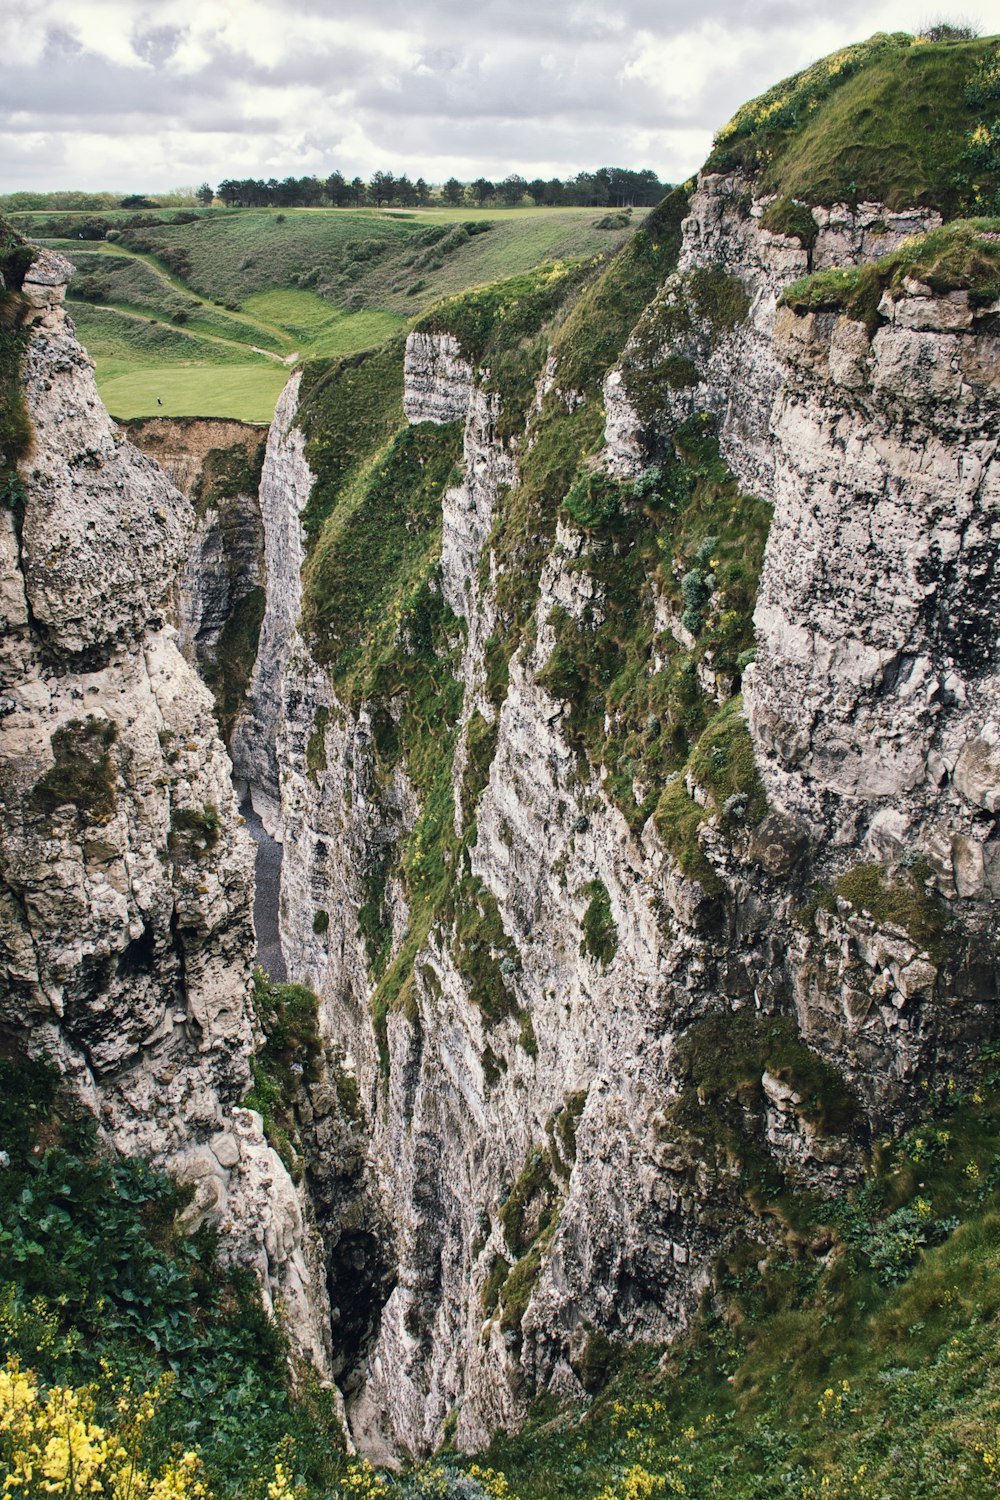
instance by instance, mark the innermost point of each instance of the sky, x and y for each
(132, 95)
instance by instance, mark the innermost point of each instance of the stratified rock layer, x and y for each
(557, 1149)
(126, 877)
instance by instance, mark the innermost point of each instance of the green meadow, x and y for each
(207, 317)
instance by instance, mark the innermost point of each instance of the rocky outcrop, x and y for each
(705, 342)
(126, 877)
(284, 489)
(220, 591)
(876, 689)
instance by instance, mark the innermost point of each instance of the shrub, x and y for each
(84, 773)
(593, 500)
(600, 932)
(962, 30)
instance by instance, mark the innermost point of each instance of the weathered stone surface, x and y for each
(105, 530)
(126, 882)
(284, 490)
(876, 664)
(438, 379)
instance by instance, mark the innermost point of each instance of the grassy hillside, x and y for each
(121, 1313)
(893, 119)
(240, 291)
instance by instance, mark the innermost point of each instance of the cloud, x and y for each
(132, 95)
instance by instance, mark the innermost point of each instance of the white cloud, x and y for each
(132, 94)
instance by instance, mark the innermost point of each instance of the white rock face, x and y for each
(875, 719)
(284, 490)
(458, 1105)
(876, 677)
(126, 877)
(438, 379)
(739, 375)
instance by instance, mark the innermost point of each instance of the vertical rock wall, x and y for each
(126, 880)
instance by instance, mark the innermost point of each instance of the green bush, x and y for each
(99, 1283)
(593, 500)
(84, 773)
(600, 932)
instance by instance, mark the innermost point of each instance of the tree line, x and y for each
(608, 187)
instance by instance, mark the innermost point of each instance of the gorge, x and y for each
(614, 658)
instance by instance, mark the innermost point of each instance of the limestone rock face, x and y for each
(284, 489)
(553, 1171)
(735, 374)
(438, 379)
(876, 687)
(105, 532)
(126, 876)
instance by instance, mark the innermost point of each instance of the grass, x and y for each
(961, 256)
(886, 120)
(320, 284)
(288, 1061)
(246, 392)
(318, 329)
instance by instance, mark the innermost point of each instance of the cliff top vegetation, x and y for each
(963, 256)
(896, 119)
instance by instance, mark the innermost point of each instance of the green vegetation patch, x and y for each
(354, 571)
(683, 532)
(793, 219)
(722, 766)
(902, 899)
(348, 411)
(248, 393)
(101, 1284)
(600, 932)
(961, 256)
(482, 952)
(194, 831)
(887, 120)
(84, 773)
(721, 1060)
(494, 319)
(287, 1061)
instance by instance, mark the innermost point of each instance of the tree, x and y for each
(358, 191)
(482, 189)
(453, 192)
(204, 195)
(423, 192)
(337, 189)
(512, 189)
(382, 188)
(405, 192)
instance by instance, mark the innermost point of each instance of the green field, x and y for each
(209, 315)
(194, 391)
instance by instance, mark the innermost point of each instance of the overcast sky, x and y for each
(129, 94)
